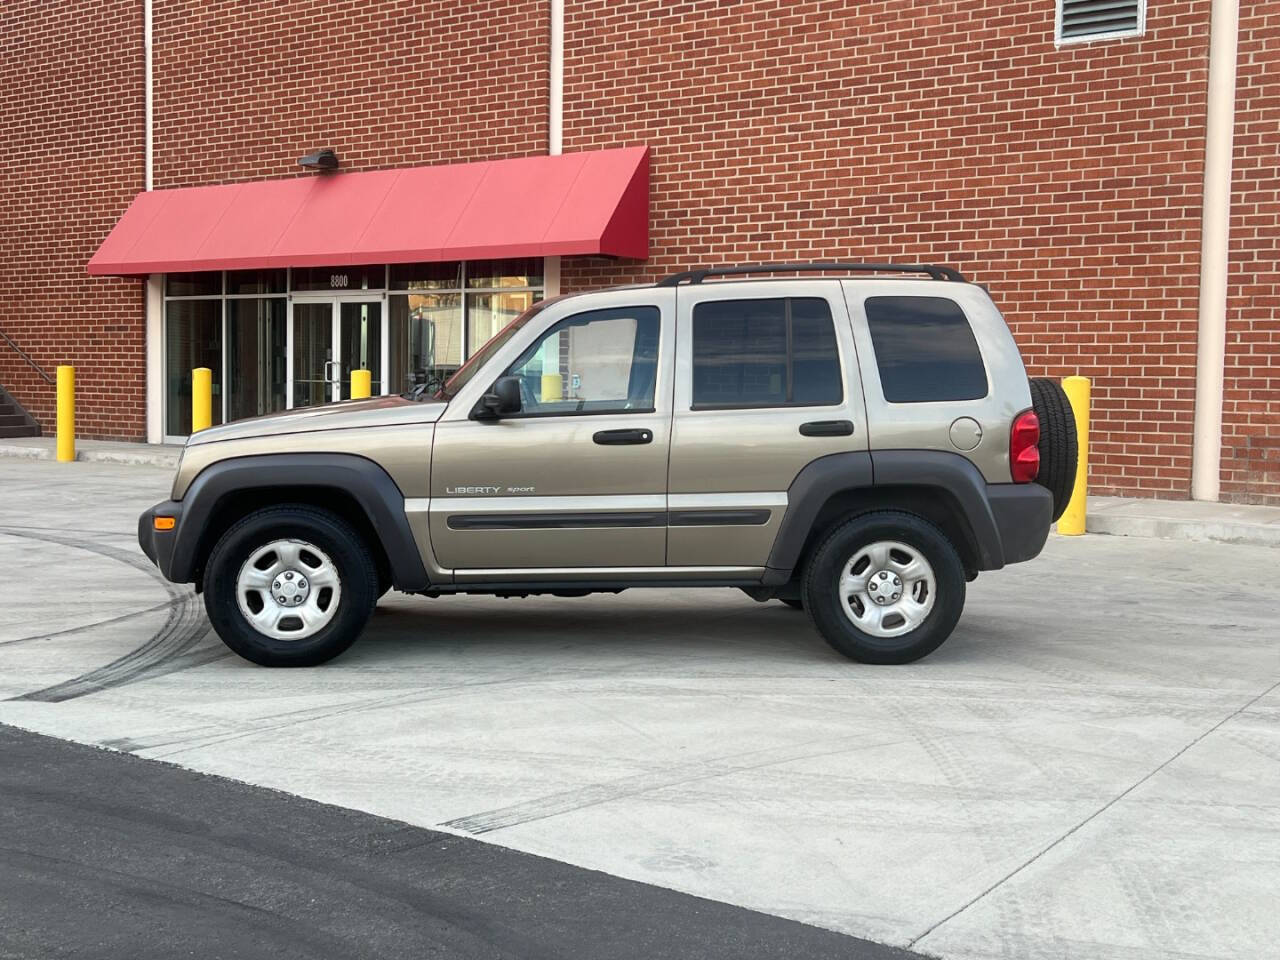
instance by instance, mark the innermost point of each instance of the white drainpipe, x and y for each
(1206, 450)
(146, 97)
(555, 121)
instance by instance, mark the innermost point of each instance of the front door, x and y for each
(332, 337)
(576, 481)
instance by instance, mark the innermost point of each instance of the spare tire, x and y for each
(1058, 450)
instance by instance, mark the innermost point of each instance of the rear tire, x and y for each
(911, 594)
(290, 586)
(1058, 448)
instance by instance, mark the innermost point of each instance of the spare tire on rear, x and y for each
(1058, 450)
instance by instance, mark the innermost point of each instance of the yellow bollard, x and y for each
(361, 384)
(552, 387)
(66, 414)
(1072, 521)
(201, 399)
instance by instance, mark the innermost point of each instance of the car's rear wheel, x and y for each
(885, 587)
(1058, 447)
(290, 586)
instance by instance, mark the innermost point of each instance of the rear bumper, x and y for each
(1023, 513)
(158, 545)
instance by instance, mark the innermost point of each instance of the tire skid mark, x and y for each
(72, 631)
(569, 801)
(184, 627)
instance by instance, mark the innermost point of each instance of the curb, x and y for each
(1172, 528)
(125, 458)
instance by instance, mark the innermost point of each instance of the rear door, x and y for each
(576, 481)
(766, 382)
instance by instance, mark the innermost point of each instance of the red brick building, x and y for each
(1067, 172)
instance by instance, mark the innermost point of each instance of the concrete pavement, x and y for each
(1089, 767)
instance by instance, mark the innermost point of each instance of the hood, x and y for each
(350, 414)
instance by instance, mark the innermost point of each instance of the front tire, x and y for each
(885, 587)
(290, 586)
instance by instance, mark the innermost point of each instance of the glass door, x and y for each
(315, 361)
(360, 339)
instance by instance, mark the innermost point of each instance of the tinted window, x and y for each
(765, 353)
(604, 361)
(925, 350)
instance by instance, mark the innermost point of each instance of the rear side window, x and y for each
(765, 353)
(925, 350)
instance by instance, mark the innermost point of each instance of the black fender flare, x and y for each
(839, 473)
(361, 478)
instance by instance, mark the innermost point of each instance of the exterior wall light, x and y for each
(321, 160)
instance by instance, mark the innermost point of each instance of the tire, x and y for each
(280, 549)
(884, 540)
(1058, 449)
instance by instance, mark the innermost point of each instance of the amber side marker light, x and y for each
(165, 523)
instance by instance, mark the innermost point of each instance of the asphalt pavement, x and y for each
(107, 855)
(1089, 767)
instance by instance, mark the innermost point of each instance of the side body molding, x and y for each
(365, 481)
(948, 473)
(956, 475)
(813, 486)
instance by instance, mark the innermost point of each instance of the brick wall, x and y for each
(1069, 180)
(243, 90)
(71, 132)
(1251, 408)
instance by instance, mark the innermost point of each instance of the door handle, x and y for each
(827, 428)
(610, 438)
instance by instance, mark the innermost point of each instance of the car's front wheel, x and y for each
(885, 587)
(290, 586)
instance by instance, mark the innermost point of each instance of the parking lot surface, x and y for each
(1090, 766)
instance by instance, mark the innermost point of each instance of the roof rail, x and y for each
(697, 276)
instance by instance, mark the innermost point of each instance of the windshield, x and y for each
(478, 359)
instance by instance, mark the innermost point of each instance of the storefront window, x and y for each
(487, 313)
(255, 356)
(431, 318)
(193, 338)
(426, 340)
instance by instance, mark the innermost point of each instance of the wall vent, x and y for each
(1100, 19)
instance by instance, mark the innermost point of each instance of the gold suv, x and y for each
(857, 445)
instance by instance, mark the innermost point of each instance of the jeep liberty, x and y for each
(859, 446)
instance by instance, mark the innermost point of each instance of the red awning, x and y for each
(577, 203)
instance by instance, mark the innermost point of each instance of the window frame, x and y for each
(1061, 41)
(533, 346)
(790, 358)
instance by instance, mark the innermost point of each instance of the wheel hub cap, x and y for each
(290, 589)
(887, 588)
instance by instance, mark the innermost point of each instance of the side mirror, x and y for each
(503, 398)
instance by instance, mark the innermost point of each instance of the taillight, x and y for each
(1024, 450)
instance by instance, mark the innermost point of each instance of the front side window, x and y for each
(765, 353)
(925, 350)
(601, 361)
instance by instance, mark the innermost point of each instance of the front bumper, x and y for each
(158, 545)
(1023, 513)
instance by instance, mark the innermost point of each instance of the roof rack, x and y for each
(697, 276)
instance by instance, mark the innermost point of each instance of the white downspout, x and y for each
(1206, 450)
(146, 97)
(555, 122)
(154, 326)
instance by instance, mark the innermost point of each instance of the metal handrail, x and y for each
(27, 357)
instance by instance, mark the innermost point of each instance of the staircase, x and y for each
(14, 420)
